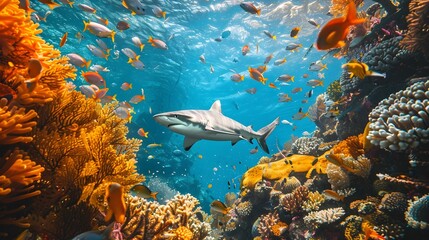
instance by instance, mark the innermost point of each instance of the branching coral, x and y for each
(306, 145)
(324, 216)
(292, 202)
(266, 224)
(401, 122)
(313, 202)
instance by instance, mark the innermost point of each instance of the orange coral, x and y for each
(183, 233)
(418, 35)
(279, 228)
(352, 146)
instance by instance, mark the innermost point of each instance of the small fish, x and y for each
(334, 33)
(306, 134)
(320, 75)
(284, 98)
(299, 115)
(132, 56)
(211, 69)
(262, 68)
(171, 37)
(142, 191)
(286, 122)
(315, 83)
(116, 202)
(225, 34)
(333, 195)
(257, 48)
(87, 8)
(122, 25)
(200, 156)
(156, 43)
(254, 150)
(317, 66)
(296, 90)
(272, 85)
(137, 64)
(268, 58)
(138, 98)
(270, 35)
(218, 39)
(280, 62)
(101, 20)
(305, 75)
(235, 60)
(250, 8)
(237, 77)
(304, 101)
(309, 93)
(313, 22)
(94, 78)
(293, 47)
(294, 32)
(251, 91)
(138, 43)
(99, 68)
(150, 157)
(209, 186)
(70, 3)
(87, 90)
(99, 30)
(34, 68)
(50, 3)
(142, 133)
(123, 113)
(135, 6)
(157, 11)
(97, 52)
(286, 78)
(202, 59)
(256, 75)
(219, 207)
(308, 51)
(103, 45)
(245, 50)
(100, 93)
(360, 69)
(126, 86)
(63, 39)
(78, 36)
(154, 145)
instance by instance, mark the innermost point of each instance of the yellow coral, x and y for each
(183, 233)
(352, 146)
(15, 122)
(279, 228)
(313, 202)
(282, 168)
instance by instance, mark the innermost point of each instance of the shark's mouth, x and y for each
(173, 124)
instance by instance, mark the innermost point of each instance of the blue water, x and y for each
(175, 79)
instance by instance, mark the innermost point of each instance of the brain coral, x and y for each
(401, 122)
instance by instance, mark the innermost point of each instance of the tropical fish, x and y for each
(309, 93)
(262, 68)
(143, 191)
(250, 8)
(360, 69)
(320, 75)
(154, 145)
(211, 68)
(97, 52)
(99, 68)
(308, 51)
(150, 157)
(99, 30)
(294, 32)
(34, 68)
(334, 33)
(286, 122)
(304, 101)
(313, 22)
(296, 90)
(70, 3)
(270, 35)
(254, 150)
(158, 12)
(202, 58)
(25, 4)
(280, 62)
(286, 78)
(138, 43)
(132, 56)
(256, 75)
(101, 20)
(284, 97)
(115, 201)
(142, 133)
(123, 113)
(317, 66)
(272, 85)
(293, 47)
(157, 43)
(245, 50)
(88, 90)
(251, 91)
(237, 77)
(135, 6)
(218, 39)
(219, 207)
(50, 3)
(333, 195)
(209, 186)
(314, 83)
(138, 98)
(137, 64)
(94, 78)
(370, 233)
(299, 115)
(122, 25)
(200, 156)
(103, 45)
(86, 8)
(100, 93)
(305, 75)
(268, 58)
(126, 86)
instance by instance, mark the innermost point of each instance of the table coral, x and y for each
(401, 122)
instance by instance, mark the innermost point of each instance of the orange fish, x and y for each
(126, 86)
(100, 93)
(63, 39)
(262, 68)
(142, 133)
(245, 50)
(333, 34)
(51, 4)
(370, 233)
(272, 85)
(34, 67)
(333, 195)
(25, 4)
(115, 201)
(294, 32)
(255, 74)
(94, 78)
(296, 90)
(138, 98)
(285, 98)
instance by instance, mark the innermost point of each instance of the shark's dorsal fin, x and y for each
(216, 107)
(188, 142)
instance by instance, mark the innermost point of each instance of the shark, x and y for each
(211, 124)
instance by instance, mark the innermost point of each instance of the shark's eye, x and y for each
(176, 116)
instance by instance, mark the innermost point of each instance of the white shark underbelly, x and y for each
(197, 132)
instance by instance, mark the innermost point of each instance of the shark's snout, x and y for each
(167, 120)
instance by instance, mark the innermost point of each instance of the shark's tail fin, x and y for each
(265, 132)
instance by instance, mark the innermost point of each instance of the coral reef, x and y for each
(417, 213)
(400, 122)
(292, 202)
(334, 91)
(418, 35)
(313, 202)
(324, 216)
(306, 146)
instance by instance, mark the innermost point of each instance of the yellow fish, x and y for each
(299, 115)
(115, 201)
(143, 191)
(154, 145)
(218, 206)
(360, 69)
(200, 156)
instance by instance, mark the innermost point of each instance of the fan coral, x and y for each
(313, 202)
(306, 145)
(292, 202)
(14, 123)
(418, 22)
(334, 91)
(244, 208)
(324, 216)
(401, 122)
(417, 213)
(395, 203)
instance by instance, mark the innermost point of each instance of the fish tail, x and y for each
(124, 4)
(114, 98)
(108, 51)
(150, 40)
(352, 15)
(85, 27)
(163, 14)
(265, 132)
(141, 47)
(53, 5)
(242, 77)
(112, 35)
(321, 83)
(292, 79)
(130, 60)
(258, 11)
(274, 37)
(131, 86)
(71, 4)
(87, 64)
(318, 26)
(153, 195)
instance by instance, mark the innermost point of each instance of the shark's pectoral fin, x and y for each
(234, 142)
(188, 142)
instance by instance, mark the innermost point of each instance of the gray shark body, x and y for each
(212, 125)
